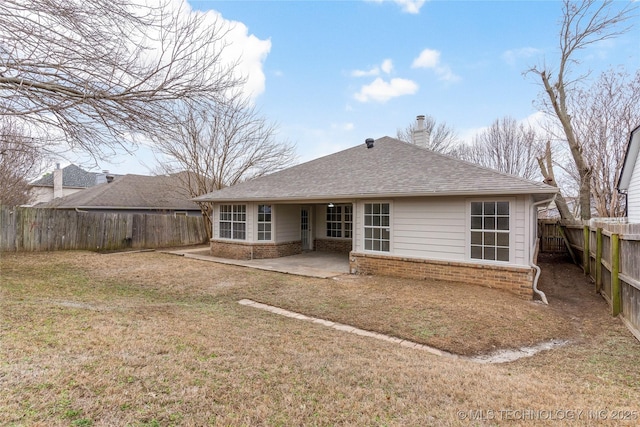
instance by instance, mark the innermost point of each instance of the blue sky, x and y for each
(333, 73)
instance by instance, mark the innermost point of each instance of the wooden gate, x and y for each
(551, 240)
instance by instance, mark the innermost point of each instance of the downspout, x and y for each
(534, 254)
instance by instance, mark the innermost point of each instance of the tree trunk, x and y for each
(546, 168)
(558, 101)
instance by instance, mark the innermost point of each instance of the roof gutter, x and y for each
(534, 256)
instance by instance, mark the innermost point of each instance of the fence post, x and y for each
(586, 256)
(598, 259)
(615, 274)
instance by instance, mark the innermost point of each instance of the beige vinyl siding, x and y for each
(432, 228)
(438, 228)
(45, 194)
(286, 223)
(252, 216)
(633, 194)
(215, 218)
(519, 226)
(318, 221)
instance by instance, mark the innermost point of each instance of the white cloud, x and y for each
(386, 67)
(237, 46)
(445, 73)
(407, 6)
(250, 52)
(375, 71)
(539, 121)
(382, 91)
(513, 55)
(430, 59)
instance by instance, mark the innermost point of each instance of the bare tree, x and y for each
(96, 72)
(583, 24)
(221, 146)
(505, 146)
(20, 160)
(603, 116)
(435, 136)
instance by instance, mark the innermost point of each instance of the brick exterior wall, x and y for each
(246, 250)
(341, 246)
(518, 281)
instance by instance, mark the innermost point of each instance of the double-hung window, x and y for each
(233, 222)
(377, 234)
(490, 231)
(339, 221)
(264, 222)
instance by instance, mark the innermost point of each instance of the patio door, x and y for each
(305, 228)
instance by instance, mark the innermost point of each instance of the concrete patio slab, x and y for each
(310, 264)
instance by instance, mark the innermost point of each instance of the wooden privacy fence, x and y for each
(37, 229)
(609, 252)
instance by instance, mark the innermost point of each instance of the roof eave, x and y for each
(321, 198)
(629, 160)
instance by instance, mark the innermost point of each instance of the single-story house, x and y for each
(392, 208)
(629, 181)
(162, 194)
(64, 182)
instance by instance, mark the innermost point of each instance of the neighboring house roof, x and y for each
(391, 168)
(72, 177)
(130, 192)
(629, 159)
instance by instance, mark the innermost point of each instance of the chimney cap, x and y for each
(369, 142)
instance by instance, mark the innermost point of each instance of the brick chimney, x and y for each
(420, 136)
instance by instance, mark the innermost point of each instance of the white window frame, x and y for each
(236, 217)
(480, 227)
(380, 230)
(265, 228)
(342, 219)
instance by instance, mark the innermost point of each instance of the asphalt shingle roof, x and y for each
(72, 177)
(130, 192)
(391, 168)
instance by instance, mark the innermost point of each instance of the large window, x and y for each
(264, 222)
(377, 227)
(490, 231)
(233, 222)
(339, 221)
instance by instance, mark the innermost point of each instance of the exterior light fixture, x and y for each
(330, 205)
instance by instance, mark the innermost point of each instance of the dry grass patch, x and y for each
(151, 339)
(445, 315)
